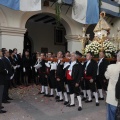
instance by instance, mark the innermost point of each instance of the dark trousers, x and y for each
(51, 79)
(43, 79)
(1, 94)
(73, 89)
(18, 76)
(60, 86)
(87, 85)
(101, 84)
(6, 89)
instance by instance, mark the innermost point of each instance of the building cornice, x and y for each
(12, 31)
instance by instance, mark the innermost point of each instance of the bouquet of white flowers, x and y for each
(95, 48)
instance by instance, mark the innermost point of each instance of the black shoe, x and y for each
(57, 97)
(5, 101)
(2, 111)
(93, 97)
(97, 104)
(1, 107)
(68, 93)
(41, 93)
(51, 95)
(83, 99)
(87, 101)
(68, 105)
(65, 103)
(46, 95)
(101, 98)
(9, 99)
(79, 108)
(59, 100)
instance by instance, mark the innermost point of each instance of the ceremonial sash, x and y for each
(69, 77)
(86, 76)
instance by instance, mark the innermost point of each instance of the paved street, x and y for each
(28, 105)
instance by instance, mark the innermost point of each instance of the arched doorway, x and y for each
(44, 33)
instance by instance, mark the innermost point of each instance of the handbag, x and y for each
(117, 94)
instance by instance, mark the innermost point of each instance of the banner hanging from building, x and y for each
(86, 11)
(22, 5)
(111, 7)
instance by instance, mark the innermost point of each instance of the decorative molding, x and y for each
(12, 31)
(73, 40)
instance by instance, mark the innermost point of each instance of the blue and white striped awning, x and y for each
(111, 7)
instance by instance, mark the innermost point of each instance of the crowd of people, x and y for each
(65, 77)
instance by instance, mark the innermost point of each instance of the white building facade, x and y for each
(12, 27)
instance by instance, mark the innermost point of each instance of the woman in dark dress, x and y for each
(27, 67)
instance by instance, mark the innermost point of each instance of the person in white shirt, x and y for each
(112, 75)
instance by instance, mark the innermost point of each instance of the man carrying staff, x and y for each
(88, 82)
(60, 79)
(73, 75)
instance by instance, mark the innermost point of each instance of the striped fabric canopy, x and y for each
(109, 6)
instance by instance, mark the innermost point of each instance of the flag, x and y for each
(68, 1)
(22, 5)
(86, 11)
(111, 7)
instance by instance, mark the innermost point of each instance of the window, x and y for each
(59, 36)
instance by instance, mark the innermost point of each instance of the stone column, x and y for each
(12, 38)
(74, 45)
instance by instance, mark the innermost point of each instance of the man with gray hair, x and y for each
(73, 75)
(112, 74)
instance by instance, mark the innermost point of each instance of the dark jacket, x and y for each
(60, 72)
(91, 69)
(8, 67)
(26, 62)
(117, 89)
(43, 68)
(3, 73)
(77, 72)
(102, 68)
(18, 59)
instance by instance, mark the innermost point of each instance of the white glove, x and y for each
(15, 67)
(35, 70)
(18, 66)
(11, 77)
(6, 71)
(24, 70)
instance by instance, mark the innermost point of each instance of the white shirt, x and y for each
(71, 67)
(98, 65)
(88, 62)
(112, 74)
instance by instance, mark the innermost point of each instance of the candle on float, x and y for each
(88, 36)
(83, 29)
(83, 35)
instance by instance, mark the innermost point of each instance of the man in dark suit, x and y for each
(19, 67)
(9, 76)
(3, 73)
(60, 79)
(74, 74)
(90, 73)
(101, 81)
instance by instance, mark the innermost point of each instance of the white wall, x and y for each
(11, 42)
(43, 37)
